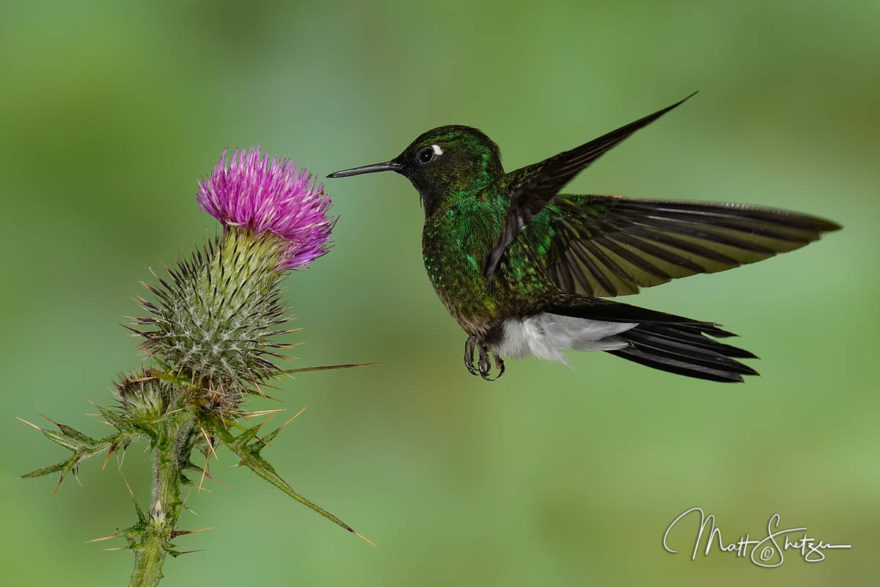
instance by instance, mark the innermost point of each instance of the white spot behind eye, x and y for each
(437, 149)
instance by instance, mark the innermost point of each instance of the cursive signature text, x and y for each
(767, 552)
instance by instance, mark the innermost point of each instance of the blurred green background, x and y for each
(551, 476)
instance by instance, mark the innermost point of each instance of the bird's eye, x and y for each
(425, 155)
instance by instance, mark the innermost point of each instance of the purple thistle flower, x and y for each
(246, 190)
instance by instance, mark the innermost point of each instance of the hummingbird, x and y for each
(527, 270)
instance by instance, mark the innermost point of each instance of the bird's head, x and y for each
(441, 162)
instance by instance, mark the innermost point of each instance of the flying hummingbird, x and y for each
(525, 270)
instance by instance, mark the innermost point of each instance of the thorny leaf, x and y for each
(81, 445)
(44, 471)
(247, 446)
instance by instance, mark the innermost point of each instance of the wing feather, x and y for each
(608, 245)
(534, 186)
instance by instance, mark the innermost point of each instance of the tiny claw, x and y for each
(499, 364)
(483, 368)
(484, 364)
(469, 345)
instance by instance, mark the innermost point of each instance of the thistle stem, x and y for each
(148, 565)
(152, 537)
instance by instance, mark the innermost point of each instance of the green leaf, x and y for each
(115, 418)
(247, 447)
(44, 470)
(81, 445)
(71, 442)
(72, 432)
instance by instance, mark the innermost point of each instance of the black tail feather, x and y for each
(665, 341)
(697, 338)
(685, 349)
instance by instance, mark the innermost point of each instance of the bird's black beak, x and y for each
(375, 167)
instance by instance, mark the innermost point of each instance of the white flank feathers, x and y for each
(548, 336)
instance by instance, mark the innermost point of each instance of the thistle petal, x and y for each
(248, 190)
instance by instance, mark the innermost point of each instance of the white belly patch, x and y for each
(548, 336)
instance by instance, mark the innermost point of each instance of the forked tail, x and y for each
(686, 349)
(665, 341)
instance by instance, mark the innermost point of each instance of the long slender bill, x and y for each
(374, 168)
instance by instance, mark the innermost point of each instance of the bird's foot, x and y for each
(483, 366)
(469, 345)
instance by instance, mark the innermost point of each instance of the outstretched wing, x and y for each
(610, 246)
(533, 187)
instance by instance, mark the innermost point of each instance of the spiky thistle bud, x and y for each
(143, 397)
(214, 319)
